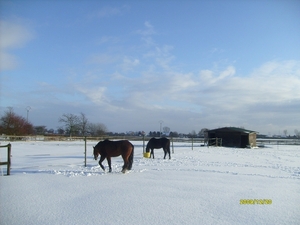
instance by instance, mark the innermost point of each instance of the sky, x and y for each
(132, 64)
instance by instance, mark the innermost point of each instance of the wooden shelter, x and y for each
(232, 137)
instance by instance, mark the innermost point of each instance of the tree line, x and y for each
(78, 125)
(13, 124)
(72, 125)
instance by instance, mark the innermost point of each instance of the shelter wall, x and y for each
(234, 139)
(252, 140)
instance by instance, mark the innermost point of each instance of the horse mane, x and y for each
(100, 142)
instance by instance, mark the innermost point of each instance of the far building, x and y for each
(232, 137)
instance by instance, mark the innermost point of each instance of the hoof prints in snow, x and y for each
(182, 165)
(85, 172)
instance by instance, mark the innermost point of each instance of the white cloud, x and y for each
(103, 59)
(273, 82)
(108, 12)
(107, 39)
(129, 64)
(12, 35)
(161, 56)
(148, 30)
(264, 99)
(95, 95)
(211, 98)
(230, 71)
(7, 61)
(210, 90)
(269, 95)
(182, 82)
(206, 75)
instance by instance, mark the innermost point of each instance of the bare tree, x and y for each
(204, 134)
(193, 133)
(285, 133)
(97, 129)
(297, 133)
(83, 124)
(71, 122)
(40, 130)
(60, 131)
(166, 130)
(174, 134)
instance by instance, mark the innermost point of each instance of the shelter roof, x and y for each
(233, 129)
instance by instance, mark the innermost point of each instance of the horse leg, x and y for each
(152, 153)
(125, 166)
(100, 162)
(165, 151)
(109, 163)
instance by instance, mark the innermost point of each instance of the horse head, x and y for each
(147, 149)
(96, 153)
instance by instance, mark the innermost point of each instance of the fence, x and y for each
(8, 163)
(190, 142)
(214, 141)
(288, 141)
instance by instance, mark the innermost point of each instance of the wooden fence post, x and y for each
(172, 145)
(144, 144)
(8, 158)
(8, 162)
(85, 151)
(192, 143)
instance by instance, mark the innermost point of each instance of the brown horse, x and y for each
(108, 149)
(159, 143)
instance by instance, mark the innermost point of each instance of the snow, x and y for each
(50, 185)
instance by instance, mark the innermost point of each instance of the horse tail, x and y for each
(130, 159)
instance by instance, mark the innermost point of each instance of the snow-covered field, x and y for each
(50, 185)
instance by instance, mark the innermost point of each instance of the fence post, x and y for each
(172, 145)
(8, 158)
(85, 151)
(143, 144)
(192, 143)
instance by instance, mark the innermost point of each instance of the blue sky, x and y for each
(131, 64)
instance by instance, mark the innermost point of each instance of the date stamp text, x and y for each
(255, 201)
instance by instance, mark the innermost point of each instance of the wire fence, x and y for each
(196, 141)
(175, 142)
